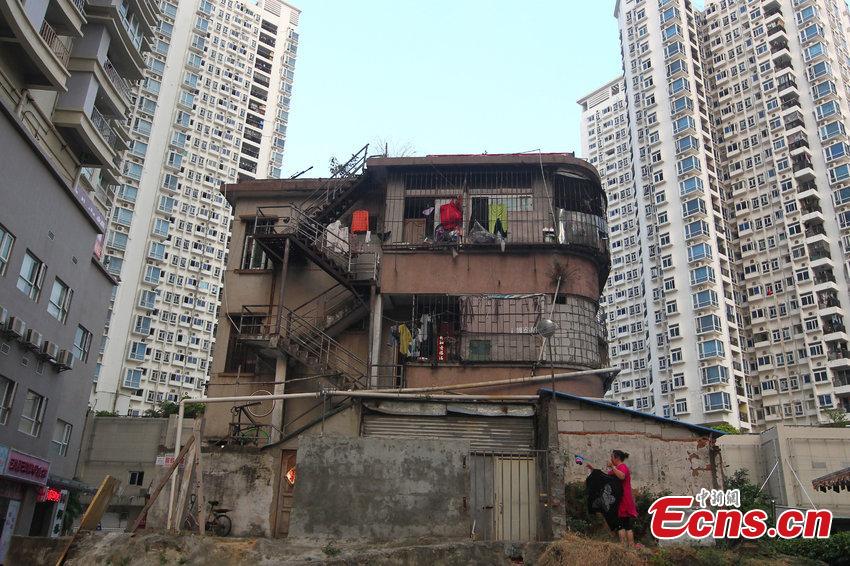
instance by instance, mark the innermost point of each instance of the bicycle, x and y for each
(252, 431)
(217, 523)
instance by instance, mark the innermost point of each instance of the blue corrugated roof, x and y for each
(614, 407)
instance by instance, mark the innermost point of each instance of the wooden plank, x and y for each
(184, 490)
(189, 443)
(94, 512)
(98, 505)
(199, 479)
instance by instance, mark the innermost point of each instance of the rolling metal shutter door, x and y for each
(491, 434)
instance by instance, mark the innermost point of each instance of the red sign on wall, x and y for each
(26, 468)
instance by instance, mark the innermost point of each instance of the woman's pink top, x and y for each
(627, 502)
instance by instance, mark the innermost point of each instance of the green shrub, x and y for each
(579, 521)
(834, 551)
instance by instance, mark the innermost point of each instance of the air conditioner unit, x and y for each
(16, 327)
(65, 360)
(33, 339)
(4, 317)
(50, 350)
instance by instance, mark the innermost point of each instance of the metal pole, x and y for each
(177, 438)
(511, 381)
(551, 363)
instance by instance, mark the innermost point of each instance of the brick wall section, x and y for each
(662, 456)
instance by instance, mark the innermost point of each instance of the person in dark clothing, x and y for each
(627, 510)
(603, 496)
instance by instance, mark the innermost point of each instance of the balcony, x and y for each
(803, 170)
(67, 16)
(39, 53)
(794, 120)
(776, 30)
(125, 45)
(92, 138)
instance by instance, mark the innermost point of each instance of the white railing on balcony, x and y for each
(80, 4)
(102, 125)
(117, 80)
(54, 42)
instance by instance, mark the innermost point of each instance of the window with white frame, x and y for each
(33, 414)
(6, 242)
(31, 276)
(61, 438)
(7, 396)
(60, 300)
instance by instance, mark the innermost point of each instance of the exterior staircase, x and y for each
(282, 328)
(308, 332)
(305, 225)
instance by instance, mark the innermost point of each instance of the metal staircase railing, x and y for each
(337, 185)
(307, 343)
(330, 307)
(290, 221)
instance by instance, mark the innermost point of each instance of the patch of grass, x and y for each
(330, 550)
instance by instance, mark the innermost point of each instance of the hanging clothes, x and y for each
(426, 333)
(404, 339)
(360, 222)
(497, 218)
(603, 496)
(451, 214)
(336, 236)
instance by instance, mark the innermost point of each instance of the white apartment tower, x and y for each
(606, 143)
(778, 74)
(680, 257)
(212, 108)
(736, 120)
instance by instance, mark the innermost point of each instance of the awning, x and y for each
(73, 485)
(836, 481)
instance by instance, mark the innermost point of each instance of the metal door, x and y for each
(504, 496)
(286, 488)
(516, 498)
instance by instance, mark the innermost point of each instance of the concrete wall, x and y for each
(380, 489)
(526, 272)
(241, 480)
(662, 456)
(425, 375)
(808, 451)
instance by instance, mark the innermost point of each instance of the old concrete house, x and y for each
(422, 272)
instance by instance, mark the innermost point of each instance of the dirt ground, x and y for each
(160, 549)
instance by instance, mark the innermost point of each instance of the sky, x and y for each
(445, 76)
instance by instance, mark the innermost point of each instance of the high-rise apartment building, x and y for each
(606, 142)
(64, 67)
(736, 120)
(778, 74)
(212, 108)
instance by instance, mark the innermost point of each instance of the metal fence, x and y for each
(495, 328)
(493, 208)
